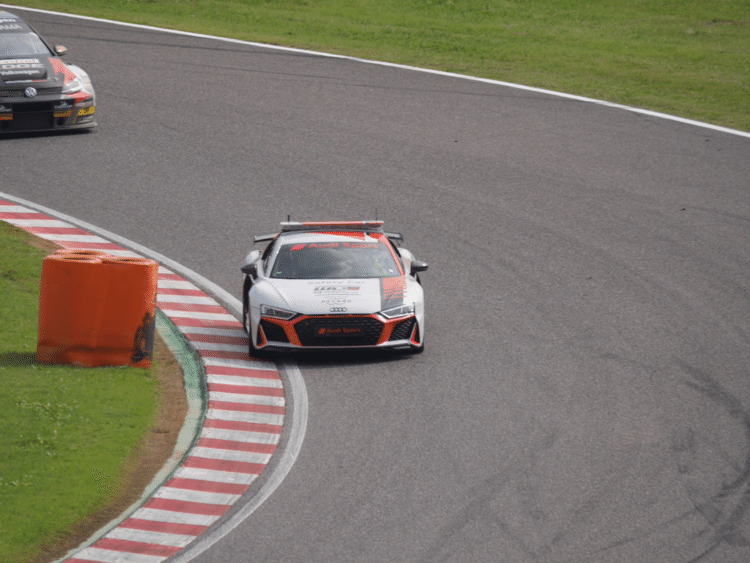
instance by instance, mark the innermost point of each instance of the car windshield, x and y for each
(21, 44)
(334, 260)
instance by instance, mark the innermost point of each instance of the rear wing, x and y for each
(312, 226)
(290, 226)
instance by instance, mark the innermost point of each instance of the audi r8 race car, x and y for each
(333, 285)
(38, 92)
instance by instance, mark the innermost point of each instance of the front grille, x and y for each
(32, 107)
(402, 331)
(339, 331)
(18, 93)
(273, 332)
(29, 121)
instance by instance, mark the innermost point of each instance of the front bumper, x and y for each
(338, 331)
(47, 113)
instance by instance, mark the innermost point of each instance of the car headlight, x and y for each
(400, 311)
(275, 312)
(73, 86)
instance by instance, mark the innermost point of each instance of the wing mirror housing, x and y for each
(250, 263)
(60, 50)
(417, 266)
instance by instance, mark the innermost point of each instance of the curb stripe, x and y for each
(171, 516)
(242, 381)
(151, 537)
(207, 486)
(221, 444)
(257, 369)
(244, 407)
(105, 556)
(215, 475)
(245, 390)
(164, 527)
(228, 466)
(239, 436)
(136, 547)
(241, 426)
(182, 506)
(197, 496)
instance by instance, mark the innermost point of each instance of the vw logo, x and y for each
(30, 92)
(338, 309)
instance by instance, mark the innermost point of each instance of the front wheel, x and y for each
(246, 303)
(417, 349)
(252, 351)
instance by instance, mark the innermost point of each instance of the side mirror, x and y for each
(250, 263)
(60, 50)
(417, 267)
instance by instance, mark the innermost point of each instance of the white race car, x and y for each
(333, 285)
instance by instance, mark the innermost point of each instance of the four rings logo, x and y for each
(338, 309)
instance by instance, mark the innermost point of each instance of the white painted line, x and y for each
(231, 332)
(107, 556)
(198, 315)
(245, 398)
(244, 381)
(246, 364)
(175, 284)
(230, 455)
(16, 208)
(241, 436)
(216, 347)
(73, 238)
(240, 416)
(146, 536)
(189, 495)
(214, 476)
(172, 517)
(122, 253)
(191, 299)
(31, 223)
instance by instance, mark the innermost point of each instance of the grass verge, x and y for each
(683, 57)
(79, 445)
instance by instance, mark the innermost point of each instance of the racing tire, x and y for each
(246, 303)
(253, 352)
(416, 350)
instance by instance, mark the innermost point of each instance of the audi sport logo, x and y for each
(325, 331)
(338, 309)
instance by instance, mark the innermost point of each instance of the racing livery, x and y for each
(39, 92)
(339, 284)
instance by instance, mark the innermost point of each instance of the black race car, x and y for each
(39, 92)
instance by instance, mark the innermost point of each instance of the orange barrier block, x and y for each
(96, 309)
(126, 336)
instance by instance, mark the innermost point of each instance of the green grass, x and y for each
(689, 58)
(65, 432)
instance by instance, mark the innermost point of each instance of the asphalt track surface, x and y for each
(584, 392)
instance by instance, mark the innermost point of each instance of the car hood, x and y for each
(350, 296)
(40, 72)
